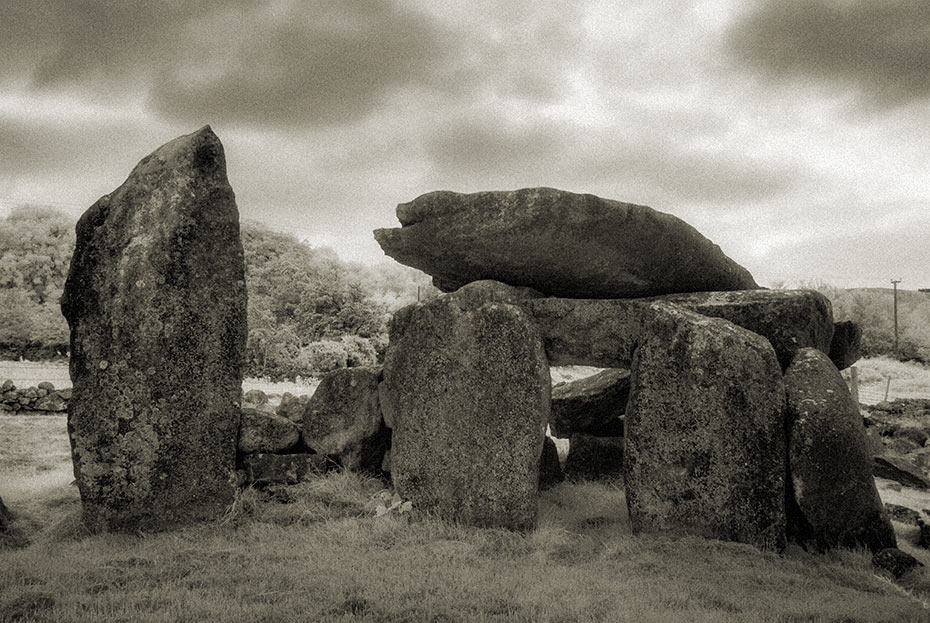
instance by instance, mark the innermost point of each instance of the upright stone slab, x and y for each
(833, 500)
(466, 389)
(156, 302)
(705, 439)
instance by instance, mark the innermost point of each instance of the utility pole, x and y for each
(895, 282)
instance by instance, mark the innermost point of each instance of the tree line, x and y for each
(308, 311)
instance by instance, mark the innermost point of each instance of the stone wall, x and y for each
(42, 399)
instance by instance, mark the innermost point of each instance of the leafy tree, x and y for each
(303, 303)
(35, 253)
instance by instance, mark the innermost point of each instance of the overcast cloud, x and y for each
(793, 134)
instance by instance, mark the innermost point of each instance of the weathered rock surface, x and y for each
(605, 332)
(342, 419)
(835, 501)
(589, 332)
(900, 470)
(895, 561)
(156, 302)
(261, 431)
(281, 468)
(846, 346)
(467, 388)
(594, 458)
(789, 319)
(560, 243)
(254, 398)
(593, 405)
(704, 448)
(550, 470)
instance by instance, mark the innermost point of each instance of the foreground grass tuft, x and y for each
(317, 552)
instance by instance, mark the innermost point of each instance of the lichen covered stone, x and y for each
(704, 450)
(467, 386)
(156, 302)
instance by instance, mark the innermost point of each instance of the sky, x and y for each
(794, 134)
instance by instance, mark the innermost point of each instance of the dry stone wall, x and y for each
(43, 398)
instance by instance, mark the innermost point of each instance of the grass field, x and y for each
(316, 552)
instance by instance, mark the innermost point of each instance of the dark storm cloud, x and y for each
(654, 164)
(68, 146)
(333, 64)
(880, 48)
(253, 63)
(92, 43)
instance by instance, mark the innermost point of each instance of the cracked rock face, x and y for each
(156, 303)
(560, 243)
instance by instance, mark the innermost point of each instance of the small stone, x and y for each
(5, 517)
(8, 386)
(53, 402)
(293, 407)
(923, 537)
(46, 385)
(342, 419)
(593, 405)
(266, 432)
(895, 561)
(903, 514)
(254, 398)
(900, 470)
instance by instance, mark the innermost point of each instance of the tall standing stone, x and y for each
(832, 498)
(705, 437)
(466, 389)
(156, 302)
